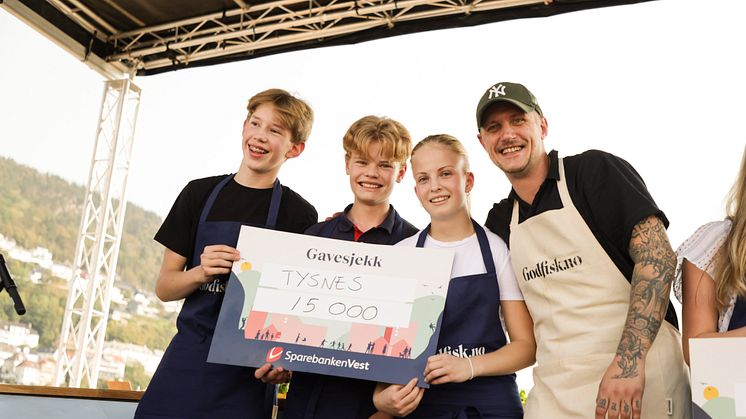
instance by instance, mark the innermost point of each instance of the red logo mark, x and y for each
(274, 354)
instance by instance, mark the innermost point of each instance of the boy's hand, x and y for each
(271, 375)
(398, 400)
(217, 259)
(445, 368)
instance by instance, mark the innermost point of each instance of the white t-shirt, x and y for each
(700, 249)
(468, 260)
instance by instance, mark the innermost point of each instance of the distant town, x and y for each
(23, 361)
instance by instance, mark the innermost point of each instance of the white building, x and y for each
(131, 353)
(172, 306)
(6, 351)
(6, 243)
(42, 257)
(117, 296)
(111, 367)
(38, 372)
(18, 334)
(62, 271)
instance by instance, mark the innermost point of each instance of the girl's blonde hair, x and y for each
(448, 141)
(730, 269)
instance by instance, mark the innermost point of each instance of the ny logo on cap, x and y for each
(496, 91)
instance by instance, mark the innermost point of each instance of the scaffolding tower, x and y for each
(94, 270)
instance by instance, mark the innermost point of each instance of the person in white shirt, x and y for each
(473, 374)
(712, 277)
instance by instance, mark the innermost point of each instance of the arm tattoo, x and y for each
(655, 264)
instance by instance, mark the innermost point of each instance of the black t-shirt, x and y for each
(607, 191)
(235, 202)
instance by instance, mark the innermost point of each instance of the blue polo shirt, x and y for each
(392, 230)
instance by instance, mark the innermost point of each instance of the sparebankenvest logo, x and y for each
(323, 360)
(274, 353)
(546, 268)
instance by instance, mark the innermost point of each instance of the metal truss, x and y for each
(253, 27)
(97, 250)
(109, 70)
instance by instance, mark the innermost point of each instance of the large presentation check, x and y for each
(332, 307)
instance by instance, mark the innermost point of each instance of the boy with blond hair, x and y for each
(200, 234)
(376, 152)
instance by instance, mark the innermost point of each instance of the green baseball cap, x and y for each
(514, 93)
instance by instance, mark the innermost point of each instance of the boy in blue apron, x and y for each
(590, 247)
(200, 235)
(376, 151)
(473, 374)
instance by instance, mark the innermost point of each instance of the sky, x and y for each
(659, 84)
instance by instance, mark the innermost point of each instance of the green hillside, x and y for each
(44, 210)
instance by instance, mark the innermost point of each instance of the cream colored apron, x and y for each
(578, 300)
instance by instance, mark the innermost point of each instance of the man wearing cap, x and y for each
(589, 247)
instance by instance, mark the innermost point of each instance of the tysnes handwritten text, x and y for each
(324, 294)
(305, 279)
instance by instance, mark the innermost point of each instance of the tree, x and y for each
(135, 373)
(155, 333)
(44, 210)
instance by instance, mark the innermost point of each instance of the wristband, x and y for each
(471, 368)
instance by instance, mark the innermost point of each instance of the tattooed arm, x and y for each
(623, 384)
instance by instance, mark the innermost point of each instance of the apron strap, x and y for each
(514, 217)
(211, 199)
(484, 245)
(738, 318)
(396, 232)
(562, 183)
(274, 205)
(561, 187)
(423, 236)
(206, 210)
(484, 248)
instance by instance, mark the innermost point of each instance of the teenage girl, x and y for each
(472, 375)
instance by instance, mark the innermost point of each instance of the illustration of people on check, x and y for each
(358, 328)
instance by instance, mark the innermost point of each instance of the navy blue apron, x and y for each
(343, 397)
(471, 326)
(738, 319)
(185, 385)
